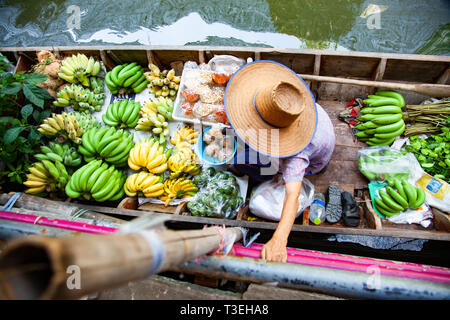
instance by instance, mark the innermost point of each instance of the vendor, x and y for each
(273, 111)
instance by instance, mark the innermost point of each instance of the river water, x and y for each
(398, 26)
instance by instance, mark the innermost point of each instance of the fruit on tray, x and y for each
(177, 188)
(162, 83)
(218, 196)
(78, 68)
(80, 99)
(399, 196)
(69, 125)
(123, 113)
(155, 116)
(149, 154)
(183, 159)
(381, 121)
(148, 184)
(111, 144)
(126, 78)
(46, 176)
(97, 180)
(64, 153)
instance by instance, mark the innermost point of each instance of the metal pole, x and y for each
(342, 283)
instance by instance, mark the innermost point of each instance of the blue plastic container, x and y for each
(201, 145)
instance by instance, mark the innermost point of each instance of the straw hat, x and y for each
(271, 108)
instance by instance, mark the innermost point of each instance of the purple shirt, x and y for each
(315, 156)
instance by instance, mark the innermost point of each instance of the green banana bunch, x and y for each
(97, 180)
(398, 196)
(46, 176)
(155, 116)
(122, 112)
(81, 99)
(164, 84)
(69, 125)
(77, 69)
(64, 153)
(113, 145)
(382, 120)
(126, 78)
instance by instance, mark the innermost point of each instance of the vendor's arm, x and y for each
(275, 248)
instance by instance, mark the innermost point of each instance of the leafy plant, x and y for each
(433, 153)
(23, 106)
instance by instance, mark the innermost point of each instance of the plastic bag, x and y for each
(437, 191)
(422, 215)
(267, 199)
(382, 163)
(218, 196)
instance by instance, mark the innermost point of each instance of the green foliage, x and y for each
(433, 153)
(23, 106)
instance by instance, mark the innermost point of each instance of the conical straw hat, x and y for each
(271, 108)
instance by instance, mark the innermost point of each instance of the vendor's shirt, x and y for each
(315, 156)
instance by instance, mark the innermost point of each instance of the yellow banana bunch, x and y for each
(184, 134)
(155, 116)
(70, 125)
(149, 154)
(183, 160)
(162, 83)
(77, 69)
(46, 176)
(149, 184)
(177, 188)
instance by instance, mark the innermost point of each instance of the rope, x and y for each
(10, 203)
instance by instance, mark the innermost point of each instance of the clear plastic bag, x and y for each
(218, 196)
(267, 199)
(383, 163)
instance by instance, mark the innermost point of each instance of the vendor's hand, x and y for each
(274, 250)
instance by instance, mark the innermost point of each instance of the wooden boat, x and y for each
(373, 69)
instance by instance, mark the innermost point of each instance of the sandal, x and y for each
(350, 211)
(333, 208)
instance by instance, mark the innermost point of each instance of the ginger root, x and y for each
(48, 65)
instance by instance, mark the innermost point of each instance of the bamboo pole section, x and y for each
(47, 268)
(432, 90)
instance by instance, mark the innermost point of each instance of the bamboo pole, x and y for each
(41, 267)
(432, 90)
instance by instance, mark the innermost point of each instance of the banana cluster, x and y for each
(126, 78)
(78, 68)
(177, 188)
(113, 145)
(122, 112)
(382, 119)
(164, 83)
(155, 116)
(146, 183)
(69, 125)
(149, 154)
(97, 180)
(46, 176)
(64, 153)
(81, 99)
(183, 159)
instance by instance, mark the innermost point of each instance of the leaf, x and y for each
(12, 134)
(34, 135)
(36, 95)
(6, 119)
(11, 89)
(26, 111)
(35, 78)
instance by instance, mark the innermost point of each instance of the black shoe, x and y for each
(350, 210)
(334, 208)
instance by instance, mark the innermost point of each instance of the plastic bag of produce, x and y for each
(383, 163)
(437, 191)
(218, 196)
(267, 199)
